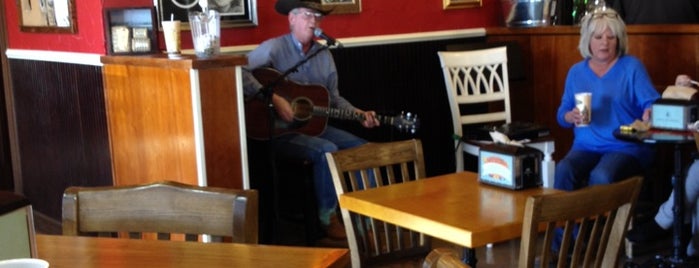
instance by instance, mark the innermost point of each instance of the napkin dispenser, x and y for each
(676, 109)
(508, 166)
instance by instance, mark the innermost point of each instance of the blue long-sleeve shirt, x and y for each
(282, 53)
(618, 98)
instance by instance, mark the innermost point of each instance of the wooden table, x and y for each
(73, 251)
(453, 207)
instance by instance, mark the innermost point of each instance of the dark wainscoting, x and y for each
(402, 77)
(61, 129)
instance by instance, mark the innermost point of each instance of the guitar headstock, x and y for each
(406, 122)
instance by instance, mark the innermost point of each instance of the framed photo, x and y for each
(234, 13)
(454, 4)
(344, 6)
(47, 16)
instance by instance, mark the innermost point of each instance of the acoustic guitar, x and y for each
(311, 112)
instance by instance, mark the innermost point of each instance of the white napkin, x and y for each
(498, 137)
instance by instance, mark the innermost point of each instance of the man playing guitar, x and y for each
(284, 52)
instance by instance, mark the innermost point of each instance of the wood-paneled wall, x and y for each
(174, 119)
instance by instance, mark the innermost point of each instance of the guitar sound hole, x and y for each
(303, 108)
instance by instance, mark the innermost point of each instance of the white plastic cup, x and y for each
(24, 263)
(206, 32)
(171, 33)
(583, 101)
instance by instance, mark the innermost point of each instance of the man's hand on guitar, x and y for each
(283, 108)
(370, 119)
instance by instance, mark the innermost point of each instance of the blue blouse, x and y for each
(618, 98)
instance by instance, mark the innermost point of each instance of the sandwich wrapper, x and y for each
(638, 126)
(681, 93)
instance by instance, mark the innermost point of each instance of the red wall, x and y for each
(378, 17)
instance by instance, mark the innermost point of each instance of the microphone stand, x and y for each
(267, 91)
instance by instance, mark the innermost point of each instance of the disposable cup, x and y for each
(24, 263)
(206, 33)
(171, 33)
(583, 101)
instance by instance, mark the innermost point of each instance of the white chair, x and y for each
(480, 77)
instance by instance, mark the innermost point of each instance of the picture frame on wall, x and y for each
(344, 6)
(47, 16)
(234, 13)
(455, 4)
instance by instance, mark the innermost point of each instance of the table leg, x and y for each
(470, 257)
(679, 250)
(679, 243)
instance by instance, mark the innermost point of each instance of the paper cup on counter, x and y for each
(171, 33)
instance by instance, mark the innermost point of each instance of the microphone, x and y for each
(318, 32)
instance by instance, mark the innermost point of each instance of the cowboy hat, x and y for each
(286, 6)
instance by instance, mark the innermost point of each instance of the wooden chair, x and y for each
(16, 227)
(601, 214)
(188, 212)
(443, 258)
(376, 165)
(477, 78)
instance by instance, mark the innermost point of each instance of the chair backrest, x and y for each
(376, 165)
(162, 210)
(16, 227)
(598, 214)
(443, 258)
(478, 88)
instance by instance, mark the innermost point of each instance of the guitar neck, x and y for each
(347, 115)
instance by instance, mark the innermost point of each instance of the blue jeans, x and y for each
(313, 148)
(579, 169)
